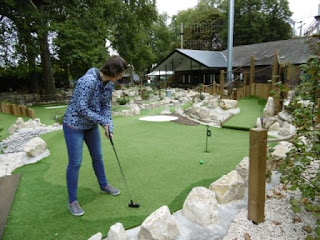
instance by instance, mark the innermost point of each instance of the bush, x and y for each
(297, 169)
(123, 101)
(58, 117)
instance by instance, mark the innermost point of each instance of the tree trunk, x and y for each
(47, 73)
(33, 76)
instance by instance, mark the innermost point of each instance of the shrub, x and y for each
(123, 101)
(298, 171)
(58, 117)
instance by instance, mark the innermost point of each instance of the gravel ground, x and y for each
(280, 221)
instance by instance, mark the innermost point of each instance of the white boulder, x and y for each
(35, 147)
(117, 232)
(160, 225)
(274, 127)
(227, 104)
(97, 236)
(243, 169)
(281, 149)
(270, 108)
(201, 206)
(229, 187)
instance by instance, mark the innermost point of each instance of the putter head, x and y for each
(133, 205)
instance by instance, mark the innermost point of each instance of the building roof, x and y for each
(294, 51)
(206, 58)
(186, 59)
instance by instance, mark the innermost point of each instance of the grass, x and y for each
(161, 165)
(6, 120)
(251, 108)
(47, 112)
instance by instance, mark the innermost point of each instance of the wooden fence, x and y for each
(17, 110)
(239, 89)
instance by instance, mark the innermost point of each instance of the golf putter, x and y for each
(131, 203)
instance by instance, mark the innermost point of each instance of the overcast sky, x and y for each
(303, 10)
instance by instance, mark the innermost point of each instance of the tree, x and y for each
(32, 23)
(201, 26)
(277, 16)
(258, 21)
(129, 27)
(160, 38)
(81, 38)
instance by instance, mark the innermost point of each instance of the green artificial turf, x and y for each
(250, 109)
(6, 120)
(47, 112)
(160, 161)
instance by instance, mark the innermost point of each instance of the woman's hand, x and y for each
(107, 132)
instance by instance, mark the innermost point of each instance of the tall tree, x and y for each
(129, 26)
(258, 21)
(81, 38)
(32, 22)
(277, 17)
(160, 38)
(201, 26)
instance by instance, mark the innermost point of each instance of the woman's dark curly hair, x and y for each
(113, 66)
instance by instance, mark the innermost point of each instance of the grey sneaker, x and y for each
(75, 208)
(110, 190)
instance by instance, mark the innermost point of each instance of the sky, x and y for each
(303, 10)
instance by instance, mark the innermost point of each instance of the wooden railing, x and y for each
(238, 89)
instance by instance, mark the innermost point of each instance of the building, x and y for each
(194, 67)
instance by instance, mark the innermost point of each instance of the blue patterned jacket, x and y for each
(90, 103)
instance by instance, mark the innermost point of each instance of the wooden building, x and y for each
(194, 67)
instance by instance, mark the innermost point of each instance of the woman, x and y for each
(89, 107)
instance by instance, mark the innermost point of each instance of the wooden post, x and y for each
(6, 108)
(275, 69)
(15, 109)
(3, 107)
(31, 113)
(245, 86)
(221, 83)
(275, 78)
(252, 71)
(257, 174)
(11, 109)
(318, 115)
(213, 88)
(235, 94)
(288, 76)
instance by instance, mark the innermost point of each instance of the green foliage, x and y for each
(258, 21)
(78, 30)
(123, 101)
(201, 24)
(160, 38)
(254, 21)
(130, 30)
(58, 117)
(297, 169)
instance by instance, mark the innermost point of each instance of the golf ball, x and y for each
(201, 162)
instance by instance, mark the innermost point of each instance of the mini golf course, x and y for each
(161, 161)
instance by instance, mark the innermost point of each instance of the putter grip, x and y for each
(111, 141)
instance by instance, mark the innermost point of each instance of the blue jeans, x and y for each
(74, 140)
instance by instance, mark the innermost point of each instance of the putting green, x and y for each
(160, 161)
(250, 109)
